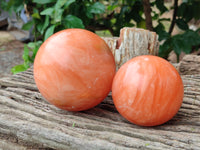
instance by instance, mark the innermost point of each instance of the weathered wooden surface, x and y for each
(28, 121)
(190, 64)
(132, 42)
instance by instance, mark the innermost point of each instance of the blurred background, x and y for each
(25, 24)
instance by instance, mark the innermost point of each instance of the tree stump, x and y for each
(27, 121)
(132, 42)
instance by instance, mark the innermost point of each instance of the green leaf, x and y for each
(155, 15)
(28, 25)
(47, 11)
(57, 17)
(19, 8)
(43, 1)
(196, 8)
(27, 60)
(13, 5)
(96, 8)
(160, 30)
(165, 48)
(163, 35)
(89, 15)
(141, 24)
(177, 45)
(136, 11)
(112, 7)
(184, 42)
(180, 43)
(36, 15)
(34, 47)
(191, 37)
(69, 2)
(25, 55)
(19, 68)
(45, 25)
(160, 5)
(182, 10)
(182, 24)
(73, 22)
(31, 45)
(39, 26)
(60, 3)
(49, 32)
(131, 2)
(185, 11)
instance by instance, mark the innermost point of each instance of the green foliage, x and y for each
(50, 16)
(30, 51)
(160, 5)
(43, 1)
(49, 32)
(96, 8)
(187, 41)
(182, 24)
(72, 21)
(28, 25)
(180, 43)
(13, 5)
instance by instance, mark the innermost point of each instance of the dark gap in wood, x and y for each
(3, 86)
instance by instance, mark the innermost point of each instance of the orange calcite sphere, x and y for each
(74, 69)
(147, 90)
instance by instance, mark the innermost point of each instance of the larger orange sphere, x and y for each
(74, 69)
(147, 90)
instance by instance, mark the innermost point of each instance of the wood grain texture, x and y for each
(27, 121)
(132, 42)
(190, 64)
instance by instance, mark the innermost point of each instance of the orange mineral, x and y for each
(147, 90)
(74, 69)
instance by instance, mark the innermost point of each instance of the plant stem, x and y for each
(174, 17)
(147, 13)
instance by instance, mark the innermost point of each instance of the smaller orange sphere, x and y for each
(147, 90)
(74, 69)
